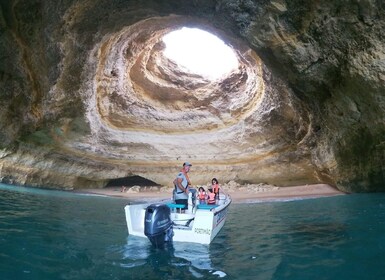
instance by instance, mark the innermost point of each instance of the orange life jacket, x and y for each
(216, 188)
(202, 195)
(211, 198)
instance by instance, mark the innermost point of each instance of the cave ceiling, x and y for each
(88, 94)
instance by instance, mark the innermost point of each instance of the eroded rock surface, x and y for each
(87, 94)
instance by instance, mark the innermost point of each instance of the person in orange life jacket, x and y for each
(182, 183)
(215, 187)
(211, 197)
(202, 195)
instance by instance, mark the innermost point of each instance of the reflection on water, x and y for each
(138, 252)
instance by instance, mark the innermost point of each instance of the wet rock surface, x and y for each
(87, 94)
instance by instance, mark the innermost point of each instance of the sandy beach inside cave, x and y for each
(239, 195)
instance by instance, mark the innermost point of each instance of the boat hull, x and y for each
(199, 226)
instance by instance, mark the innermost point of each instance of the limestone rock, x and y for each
(87, 94)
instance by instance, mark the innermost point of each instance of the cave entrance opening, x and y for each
(200, 52)
(130, 182)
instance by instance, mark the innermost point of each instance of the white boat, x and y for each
(199, 224)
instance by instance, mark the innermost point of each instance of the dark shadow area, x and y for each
(131, 181)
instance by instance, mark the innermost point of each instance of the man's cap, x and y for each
(187, 163)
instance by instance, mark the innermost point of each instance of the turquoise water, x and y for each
(61, 235)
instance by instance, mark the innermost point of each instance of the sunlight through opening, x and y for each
(200, 52)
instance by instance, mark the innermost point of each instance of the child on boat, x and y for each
(202, 195)
(211, 197)
(215, 187)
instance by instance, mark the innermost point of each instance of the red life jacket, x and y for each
(216, 188)
(202, 195)
(211, 198)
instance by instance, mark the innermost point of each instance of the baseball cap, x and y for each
(187, 163)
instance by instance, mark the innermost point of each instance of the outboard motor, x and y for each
(158, 224)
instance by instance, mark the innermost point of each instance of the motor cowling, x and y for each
(158, 224)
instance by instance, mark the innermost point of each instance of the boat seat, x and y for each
(207, 206)
(174, 206)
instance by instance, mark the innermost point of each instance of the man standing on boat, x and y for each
(182, 185)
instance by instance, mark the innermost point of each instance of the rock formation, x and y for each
(87, 94)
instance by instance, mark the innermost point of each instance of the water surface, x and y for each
(62, 235)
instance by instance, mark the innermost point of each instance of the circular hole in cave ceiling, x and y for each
(140, 89)
(200, 52)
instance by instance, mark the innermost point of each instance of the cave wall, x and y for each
(313, 113)
(332, 55)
